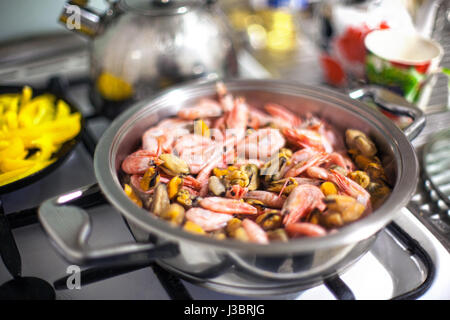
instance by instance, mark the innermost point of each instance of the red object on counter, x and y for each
(351, 48)
(333, 71)
(351, 42)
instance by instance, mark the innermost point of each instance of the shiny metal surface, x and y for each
(437, 165)
(142, 49)
(87, 21)
(15, 54)
(390, 101)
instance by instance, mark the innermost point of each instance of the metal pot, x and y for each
(231, 266)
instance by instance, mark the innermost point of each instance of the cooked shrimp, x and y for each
(138, 162)
(205, 108)
(258, 119)
(282, 113)
(305, 138)
(151, 144)
(261, 144)
(269, 199)
(317, 173)
(236, 192)
(236, 123)
(161, 137)
(195, 150)
(305, 229)
(230, 206)
(225, 98)
(208, 220)
(315, 160)
(350, 187)
(205, 172)
(255, 232)
(236, 120)
(338, 159)
(191, 182)
(300, 202)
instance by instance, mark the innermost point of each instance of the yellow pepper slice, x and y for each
(11, 120)
(27, 94)
(4, 144)
(18, 174)
(46, 147)
(61, 130)
(31, 113)
(7, 165)
(62, 110)
(15, 150)
(10, 101)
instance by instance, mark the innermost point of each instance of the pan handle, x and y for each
(69, 228)
(394, 104)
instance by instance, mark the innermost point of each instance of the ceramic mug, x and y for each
(403, 62)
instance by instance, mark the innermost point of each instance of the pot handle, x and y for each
(69, 228)
(394, 104)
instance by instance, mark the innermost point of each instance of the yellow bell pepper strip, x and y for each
(11, 176)
(15, 150)
(27, 94)
(61, 130)
(45, 113)
(31, 113)
(4, 144)
(11, 120)
(10, 101)
(46, 147)
(7, 165)
(62, 110)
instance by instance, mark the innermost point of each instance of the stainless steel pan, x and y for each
(231, 266)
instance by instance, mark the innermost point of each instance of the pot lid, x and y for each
(158, 7)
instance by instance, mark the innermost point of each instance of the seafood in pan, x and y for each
(226, 169)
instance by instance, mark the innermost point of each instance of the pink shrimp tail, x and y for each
(300, 202)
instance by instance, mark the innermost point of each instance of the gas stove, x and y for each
(409, 259)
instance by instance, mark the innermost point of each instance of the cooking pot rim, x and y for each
(405, 157)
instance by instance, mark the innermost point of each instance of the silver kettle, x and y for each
(139, 47)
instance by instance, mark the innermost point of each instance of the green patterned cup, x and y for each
(402, 62)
